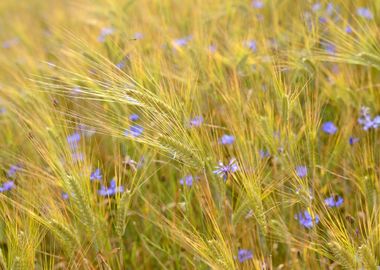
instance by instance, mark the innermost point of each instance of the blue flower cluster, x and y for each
(134, 131)
(366, 121)
(224, 170)
(96, 175)
(106, 31)
(8, 185)
(73, 141)
(187, 180)
(111, 190)
(196, 121)
(306, 220)
(227, 139)
(334, 201)
(244, 255)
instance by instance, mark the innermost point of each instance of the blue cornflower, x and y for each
(353, 140)
(376, 122)
(322, 19)
(316, 7)
(73, 140)
(348, 29)
(305, 219)
(65, 196)
(96, 175)
(13, 169)
(8, 185)
(181, 42)
(138, 35)
(329, 128)
(244, 254)
(257, 4)
(224, 170)
(212, 48)
(10, 43)
(334, 201)
(330, 8)
(330, 48)
(251, 44)
(227, 139)
(134, 117)
(121, 64)
(301, 171)
(134, 131)
(264, 153)
(187, 180)
(111, 190)
(196, 121)
(364, 13)
(106, 31)
(365, 119)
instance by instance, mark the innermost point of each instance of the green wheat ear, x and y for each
(19, 264)
(367, 257)
(343, 256)
(370, 59)
(65, 235)
(3, 264)
(180, 151)
(80, 202)
(121, 214)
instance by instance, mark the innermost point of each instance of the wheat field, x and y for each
(190, 134)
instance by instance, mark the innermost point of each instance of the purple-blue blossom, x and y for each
(106, 31)
(244, 255)
(121, 64)
(322, 19)
(353, 140)
(301, 171)
(348, 29)
(187, 180)
(10, 43)
(330, 48)
(73, 140)
(196, 121)
(8, 185)
(212, 48)
(264, 153)
(13, 169)
(257, 4)
(305, 219)
(224, 170)
(96, 175)
(316, 7)
(227, 139)
(329, 128)
(181, 42)
(134, 131)
(334, 201)
(138, 35)
(134, 117)
(111, 190)
(364, 13)
(65, 196)
(251, 44)
(365, 119)
(330, 8)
